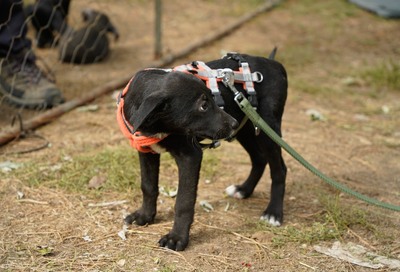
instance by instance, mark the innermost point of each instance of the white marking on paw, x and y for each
(233, 192)
(270, 219)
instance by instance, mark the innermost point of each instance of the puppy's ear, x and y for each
(145, 109)
(113, 30)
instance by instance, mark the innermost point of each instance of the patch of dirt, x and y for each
(358, 144)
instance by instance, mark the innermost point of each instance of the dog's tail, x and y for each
(273, 53)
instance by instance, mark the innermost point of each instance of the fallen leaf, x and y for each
(97, 181)
(121, 262)
(385, 109)
(358, 255)
(8, 166)
(20, 195)
(87, 238)
(206, 206)
(44, 250)
(122, 233)
(315, 115)
(170, 192)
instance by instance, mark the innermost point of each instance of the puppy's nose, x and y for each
(234, 124)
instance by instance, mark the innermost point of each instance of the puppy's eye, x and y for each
(204, 106)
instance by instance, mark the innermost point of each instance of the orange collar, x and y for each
(137, 141)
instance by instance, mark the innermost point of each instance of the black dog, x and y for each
(88, 44)
(159, 102)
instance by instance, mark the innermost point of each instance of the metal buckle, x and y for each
(119, 98)
(260, 77)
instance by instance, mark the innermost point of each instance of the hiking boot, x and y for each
(23, 84)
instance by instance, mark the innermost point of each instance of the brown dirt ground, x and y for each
(358, 144)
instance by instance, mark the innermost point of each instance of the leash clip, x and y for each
(228, 78)
(239, 97)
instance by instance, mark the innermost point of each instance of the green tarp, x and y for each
(384, 8)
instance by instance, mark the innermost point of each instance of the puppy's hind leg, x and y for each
(259, 161)
(273, 214)
(263, 150)
(149, 166)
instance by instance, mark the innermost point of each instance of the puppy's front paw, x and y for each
(174, 241)
(139, 218)
(273, 215)
(271, 219)
(233, 191)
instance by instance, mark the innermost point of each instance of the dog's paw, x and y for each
(139, 218)
(271, 219)
(174, 242)
(233, 191)
(273, 215)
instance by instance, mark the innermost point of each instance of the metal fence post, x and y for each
(158, 30)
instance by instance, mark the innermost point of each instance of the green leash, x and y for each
(246, 107)
(251, 113)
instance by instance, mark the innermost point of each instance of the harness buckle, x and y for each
(119, 97)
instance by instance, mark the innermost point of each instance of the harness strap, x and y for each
(208, 75)
(139, 142)
(248, 77)
(211, 77)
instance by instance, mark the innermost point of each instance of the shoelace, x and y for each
(27, 71)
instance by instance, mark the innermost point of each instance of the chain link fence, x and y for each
(52, 51)
(38, 40)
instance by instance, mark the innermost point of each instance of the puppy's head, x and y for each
(100, 21)
(176, 103)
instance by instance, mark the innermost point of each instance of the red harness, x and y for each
(211, 77)
(205, 73)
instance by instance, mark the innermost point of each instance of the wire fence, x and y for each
(40, 39)
(79, 45)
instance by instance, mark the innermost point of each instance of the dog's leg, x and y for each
(259, 161)
(274, 212)
(263, 150)
(149, 166)
(189, 163)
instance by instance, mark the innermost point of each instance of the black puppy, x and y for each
(48, 17)
(160, 103)
(88, 44)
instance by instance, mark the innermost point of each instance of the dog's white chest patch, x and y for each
(158, 148)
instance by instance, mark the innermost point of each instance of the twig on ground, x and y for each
(308, 266)
(236, 234)
(163, 249)
(32, 201)
(106, 204)
(218, 258)
(351, 232)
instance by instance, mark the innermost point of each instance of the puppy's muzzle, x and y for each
(235, 127)
(234, 124)
(229, 129)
